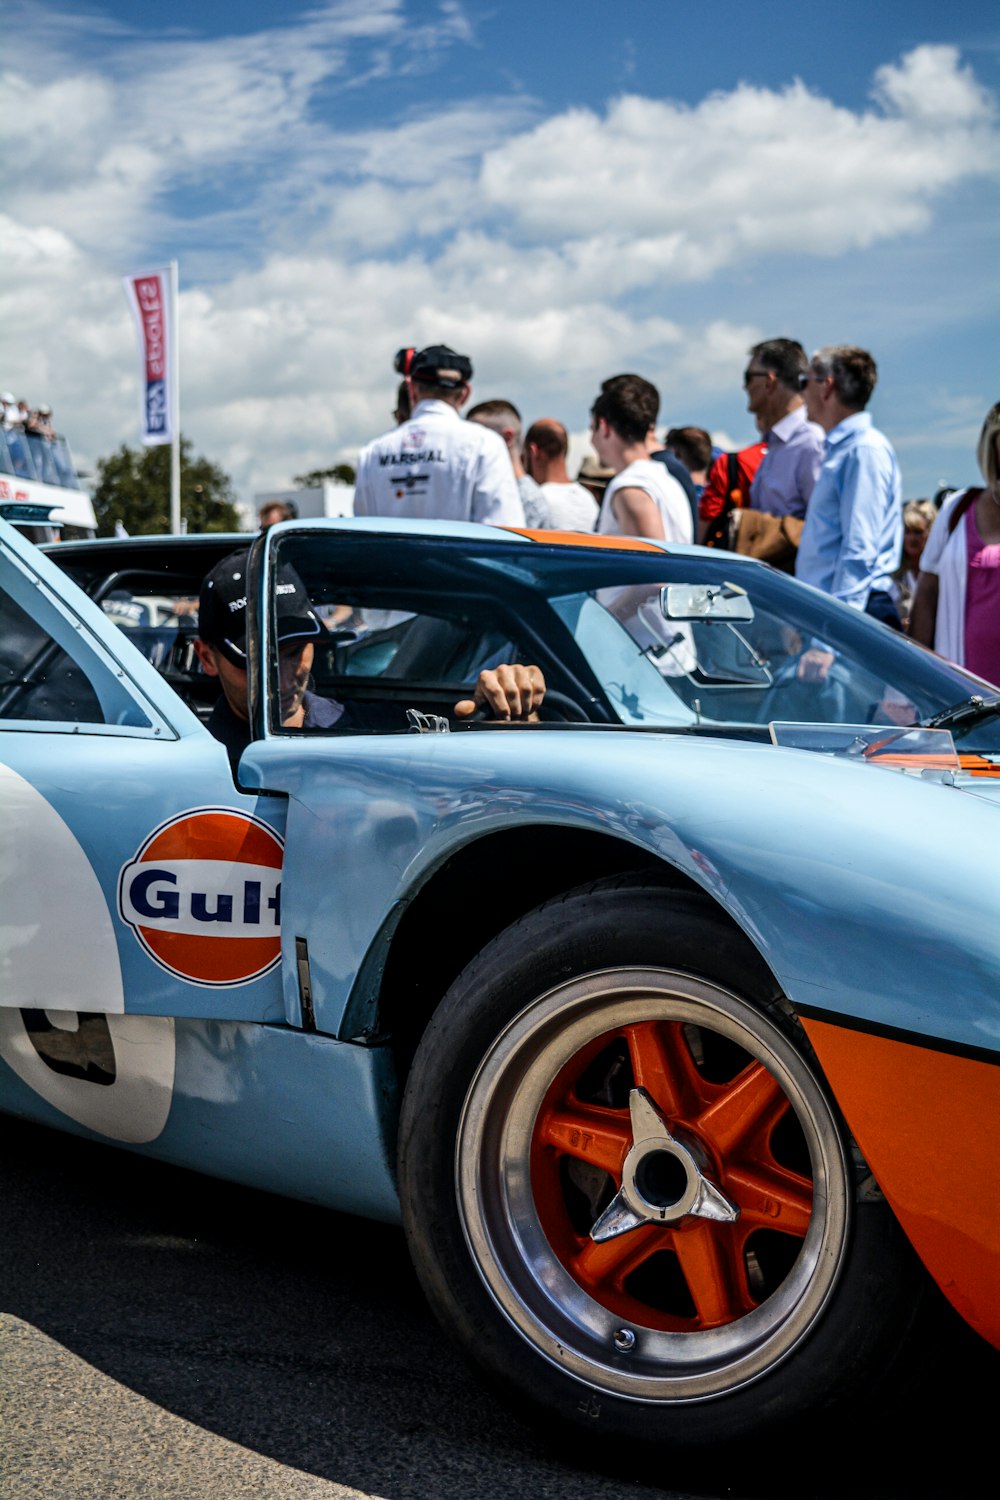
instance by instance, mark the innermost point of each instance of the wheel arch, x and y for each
(479, 891)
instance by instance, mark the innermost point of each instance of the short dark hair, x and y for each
(692, 445)
(629, 404)
(854, 373)
(785, 358)
(289, 512)
(496, 408)
(498, 415)
(549, 436)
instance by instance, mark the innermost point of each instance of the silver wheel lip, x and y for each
(531, 1287)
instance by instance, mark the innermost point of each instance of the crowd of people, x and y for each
(819, 494)
(20, 416)
(30, 447)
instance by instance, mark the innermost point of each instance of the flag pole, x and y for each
(175, 404)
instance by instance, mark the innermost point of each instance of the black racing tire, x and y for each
(686, 1326)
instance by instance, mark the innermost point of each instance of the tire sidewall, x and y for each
(617, 925)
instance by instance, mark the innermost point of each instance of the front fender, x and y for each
(870, 894)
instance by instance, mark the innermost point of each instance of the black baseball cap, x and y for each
(222, 608)
(428, 364)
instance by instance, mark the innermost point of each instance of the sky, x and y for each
(561, 192)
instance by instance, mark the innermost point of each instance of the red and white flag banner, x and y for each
(148, 293)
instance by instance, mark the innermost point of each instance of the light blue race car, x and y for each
(668, 1025)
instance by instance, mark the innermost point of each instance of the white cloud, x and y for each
(929, 85)
(750, 171)
(557, 250)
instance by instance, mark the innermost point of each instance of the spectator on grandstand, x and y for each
(435, 465)
(11, 412)
(571, 507)
(504, 418)
(643, 499)
(39, 424)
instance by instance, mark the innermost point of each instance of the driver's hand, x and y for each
(814, 665)
(897, 710)
(507, 693)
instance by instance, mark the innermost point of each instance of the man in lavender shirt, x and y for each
(789, 469)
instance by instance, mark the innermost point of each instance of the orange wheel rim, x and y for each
(733, 1115)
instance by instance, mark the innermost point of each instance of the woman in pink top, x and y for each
(957, 605)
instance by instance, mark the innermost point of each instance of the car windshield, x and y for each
(687, 640)
(709, 641)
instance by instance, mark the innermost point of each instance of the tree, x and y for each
(339, 473)
(133, 488)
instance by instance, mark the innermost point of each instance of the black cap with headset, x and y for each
(222, 608)
(436, 365)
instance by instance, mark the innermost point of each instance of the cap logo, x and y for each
(203, 896)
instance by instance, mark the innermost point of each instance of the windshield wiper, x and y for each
(976, 707)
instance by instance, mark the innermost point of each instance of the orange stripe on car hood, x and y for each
(586, 539)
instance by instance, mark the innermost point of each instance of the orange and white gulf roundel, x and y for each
(203, 896)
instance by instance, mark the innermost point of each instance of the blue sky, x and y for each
(561, 192)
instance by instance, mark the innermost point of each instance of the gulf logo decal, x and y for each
(203, 896)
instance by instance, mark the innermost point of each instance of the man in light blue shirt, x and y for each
(853, 533)
(784, 482)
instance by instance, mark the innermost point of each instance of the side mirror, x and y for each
(705, 601)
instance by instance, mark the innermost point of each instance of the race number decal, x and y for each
(203, 896)
(112, 1073)
(57, 935)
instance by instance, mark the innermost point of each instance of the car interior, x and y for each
(383, 643)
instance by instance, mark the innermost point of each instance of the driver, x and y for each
(505, 692)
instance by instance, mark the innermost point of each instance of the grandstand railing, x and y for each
(25, 455)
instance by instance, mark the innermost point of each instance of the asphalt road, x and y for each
(162, 1335)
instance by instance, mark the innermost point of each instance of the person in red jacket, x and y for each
(727, 489)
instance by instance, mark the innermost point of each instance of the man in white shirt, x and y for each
(504, 418)
(642, 499)
(435, 465)
(571, 507)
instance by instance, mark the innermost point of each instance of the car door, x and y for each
(135, 879)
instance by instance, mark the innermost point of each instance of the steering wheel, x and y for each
(562, 709)
(793, 697)
(556, 708)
